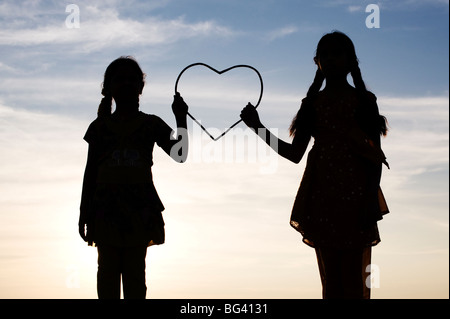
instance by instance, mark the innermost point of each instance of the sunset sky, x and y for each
(228, 208)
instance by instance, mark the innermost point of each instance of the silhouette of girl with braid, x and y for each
(339, 200)
(120, 209)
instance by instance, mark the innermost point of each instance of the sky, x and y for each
(228, 207)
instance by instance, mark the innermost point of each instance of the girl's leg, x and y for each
(133, 272)
(354, 264)
(329, 263)
(108, 274)
(343, 272)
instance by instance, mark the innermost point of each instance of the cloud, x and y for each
(358, 6)
(417, 149)
(8, 69)
(37, 146)
(355, 8)
(426, 2)
(418, 137)
(101, 28)
(282, 32)
(59, 94)
(417, 113)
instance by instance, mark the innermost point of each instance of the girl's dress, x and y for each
(125, 209)
(337, 204)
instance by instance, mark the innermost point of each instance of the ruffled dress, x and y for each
(338, 201)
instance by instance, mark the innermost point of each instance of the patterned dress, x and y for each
(338, 190)
(125, 209)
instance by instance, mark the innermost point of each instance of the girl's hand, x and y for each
(179, 107)
(82, 230)
(250, 117)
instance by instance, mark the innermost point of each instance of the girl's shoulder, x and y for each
(151, 119)
(93, 130)
(96, 124)
(156, 124)
(369, 96)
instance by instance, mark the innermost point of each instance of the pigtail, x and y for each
(301, 120)
(316, 85)
(357, 78)
(379, 121)
(105, 107)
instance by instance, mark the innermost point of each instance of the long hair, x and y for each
(379, 122)
(105, 107)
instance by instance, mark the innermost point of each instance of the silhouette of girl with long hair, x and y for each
(120, 209)
(339, 200)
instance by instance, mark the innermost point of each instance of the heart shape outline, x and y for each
(220, 72)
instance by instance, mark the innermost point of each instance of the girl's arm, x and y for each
(178, 147)
(89, 181)
(292, 151)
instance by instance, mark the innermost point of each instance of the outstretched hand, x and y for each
(82, 230)
(250, 117)
(179, 107)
